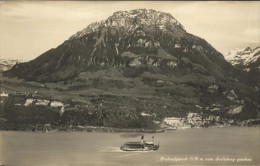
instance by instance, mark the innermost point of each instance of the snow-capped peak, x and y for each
(243, 56)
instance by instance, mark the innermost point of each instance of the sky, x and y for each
(29, 28)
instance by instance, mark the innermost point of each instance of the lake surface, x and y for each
(219, 146)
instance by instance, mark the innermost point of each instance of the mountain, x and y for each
(134, 39)
(6, 64)
(247, 59)
(136, 65)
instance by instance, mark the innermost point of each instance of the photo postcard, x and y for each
(129, 83)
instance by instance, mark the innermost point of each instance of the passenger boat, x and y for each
(139, 146)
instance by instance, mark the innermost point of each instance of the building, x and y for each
(173, 121)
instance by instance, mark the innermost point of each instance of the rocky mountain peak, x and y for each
(132, 19)
(89, 29)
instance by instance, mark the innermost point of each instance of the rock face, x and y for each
(136, 39)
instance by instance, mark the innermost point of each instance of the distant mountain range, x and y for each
(247, 59)
(6, 64)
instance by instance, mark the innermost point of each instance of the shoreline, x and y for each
(118, 130)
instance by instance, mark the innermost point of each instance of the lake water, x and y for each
(223, 146)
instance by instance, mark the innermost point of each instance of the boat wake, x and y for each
(118, 150)
(111, 149)
(128, 154)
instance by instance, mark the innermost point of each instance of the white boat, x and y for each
(139, 146)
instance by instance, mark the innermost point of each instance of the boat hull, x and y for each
(145, 148)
